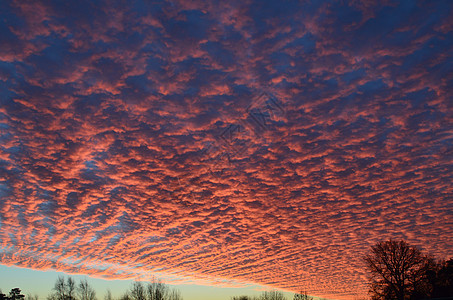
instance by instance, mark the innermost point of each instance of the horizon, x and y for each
(12, 277)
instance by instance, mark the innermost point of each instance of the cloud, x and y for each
(233, 144)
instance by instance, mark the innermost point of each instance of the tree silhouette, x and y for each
(241, 298)
(85, 291)
(70, 284)
(398, 271)
(157, 290)
(3, 296)
(138, 291)
(67, 289)
(302, 295)
(108, 296)
(15, 294)
(272, 295)
(63, 289)
(441, 279)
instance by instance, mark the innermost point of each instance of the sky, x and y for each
(224, 144)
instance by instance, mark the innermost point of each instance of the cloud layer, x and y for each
(228, 143)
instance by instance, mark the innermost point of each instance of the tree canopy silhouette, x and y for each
(400, 271)
(85, 291)
(14, 294)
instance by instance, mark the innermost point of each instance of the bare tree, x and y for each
(63, 289)
(108, 296)
(71, 287)
(138, 291)
(157, 290)
(272, 295)
(60, 288)
(85, 291)
(397, 270)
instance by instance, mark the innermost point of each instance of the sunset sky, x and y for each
(223, 144)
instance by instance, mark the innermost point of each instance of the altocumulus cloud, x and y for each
(225, 143)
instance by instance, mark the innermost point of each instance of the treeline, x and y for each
(400, 271)
(273, 295)
(155, 290)
(68, 289)
(14, 294)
